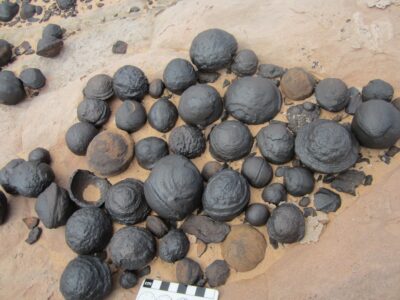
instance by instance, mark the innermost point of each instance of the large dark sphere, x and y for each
(178, 75)
(257, 171)
(150, 150)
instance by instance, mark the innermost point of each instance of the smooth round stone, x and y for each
(257, 214)
(163, 115)
(33, 78)
(253, 100)
(178, 75)
(286, 224)
(298, 181)
(156, 226)
(150, 150)
(332, 94)
(66, 4)
(8, 11)
(200, 105)
(156, 88)
(110, 152)
(377, 89)
(226, 195)
(245, 63)
(96, 112)
(53, 30)
(274, 193)
(302, 114)
(128, 280)
(130, 83)
(187, 140)
(174, 187)
(276, 143)
(213, 49)
(188, 272)
(173, 246)
(130, 116)
(40, 155)
(27, 11)
(5, 53)
(297, 84)
(11, 89)
(210, 169)
(49, 46)
(326, 146)
(99, 87)
(376, 124)
(79, 136)
(230, 141)
(257, 171)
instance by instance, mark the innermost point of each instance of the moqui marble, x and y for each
(8, 11)
(210, 168)
(226, 195)
(3, 207)
(132, 248)
(33, 78)
(253, 100)
(163, 115)
(217, 273)
(257, 214)
(187, 140)
(377, 89)
(5, 53)
(188, 272)
(150, 150)
(298, 181)
(173, 246)
(174, 187)
(332, 94)
(376, 124)
(11, 89)
(96, 112)
(53, 30)
(128, 279)
(327, 201)
(130, 116)
(40, 155)
(326, 146)
(230, 141)
(297, 84)
(276, 143)
(130, 83)
(79, 136)
(156, 88)
(200, 105)
(27, 11)
(270, 71)
(178, 75)
(302, 114)
(66, 4)
(49, 46)
(245, 63)
(156, 226)
(213, 49)
(126, 203)
(99, 87)
(274, 193)
(257, 171)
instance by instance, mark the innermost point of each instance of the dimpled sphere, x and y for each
(286, 224)
(226, 195)
(130, 83)
(150, 150)
(332, 94)
(200, 105)
(187, 140)
(326, 146)
(257, 171)
(174, 188)
(253, 100)
(179, 75)
(213, 49)
(11, 89)
(230, 140)
(93, 111)
(376, 124)
(132, 248)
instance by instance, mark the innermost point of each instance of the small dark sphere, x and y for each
(5, 53)
(8, 10)
(128, 279)
(178, 75)
(49, 46)
(377, 89)
(298, 181)
(163, 115)
(79, 136)
(187, 140)
(96, 112)
(33, 78)
(257, 214)
(274, 193)
(99, 87)
(156, 88)
(245, 63)
(40, 155)
(130, 83)
(173, 246)
(150, 150)
(332, 94)
(257, 171)
(27, 11)
(210, 169)
(156, 226)
(130, 116)
(11, 89)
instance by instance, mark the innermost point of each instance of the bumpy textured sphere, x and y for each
(187, 140)
(179, 75)
(130, 83)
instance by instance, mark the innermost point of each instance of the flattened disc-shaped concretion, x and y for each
(332, 94)
(326, 146)
(253, 100)
(110, 152)
(40, 155)
(174, 188)
(66, 4)
(297, 84)
(11, 89)
(99, 87)
(130, 83)
(226, 195)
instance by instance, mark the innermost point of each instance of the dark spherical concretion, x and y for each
(174, 188)
(33, 78)
(26, 178)
(86, 278)
(53, 30)
(257, 171)
(213, 49)
(49, 46)
(126, 203)
(276, 143)
(82, 180)
(156, 88)
(187, 140)
(226, 195)
(130, 83)
(245, 63)
(210, 169)
(163, 115)
(5, 52)
(173, 246)
(257, 214)
(53, 206)
(298, 181)
(332, 94)
(40, 155)
(11, 89)
(230, 140)
(99, 87)
(88, 230)
(297, 84)
(156, 226)
(79, 136)
(275, 193)
(253, 100)
(188, 271)
(376, 124)
(132, 248)
(27, 11)
(150, 150)
(178, 75)
(200, 105)
(110, 152)
(302, 114)
(3, 207)
(8, 11)
(96, 112)
(377, 89)
(128, 279)
(326, 146)
(130, 116)
(66, 4)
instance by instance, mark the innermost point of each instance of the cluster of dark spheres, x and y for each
(175, 189)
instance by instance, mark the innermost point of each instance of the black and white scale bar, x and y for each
(179, 288)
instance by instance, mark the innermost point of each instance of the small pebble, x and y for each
(31, 222)
(305, 201)
(368, 180)
(128, 279)
(309, 211)
(34, 235)
(119, 47)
